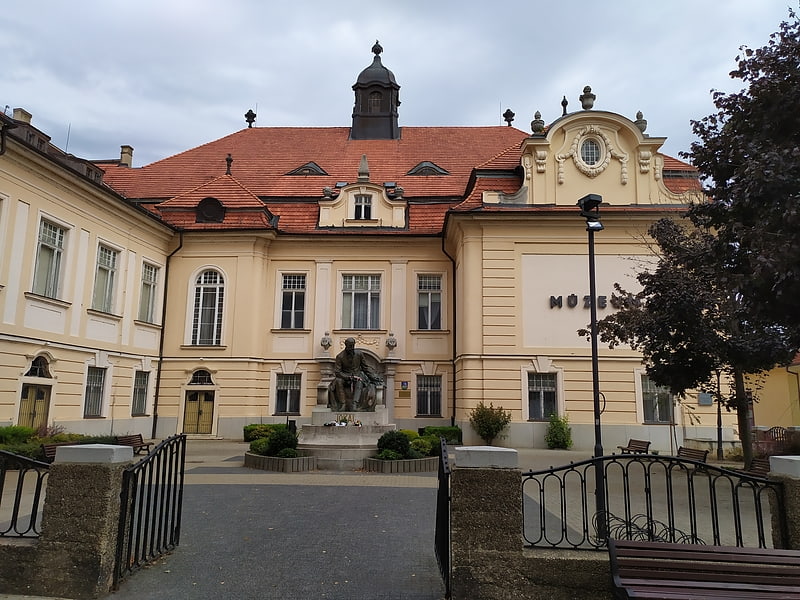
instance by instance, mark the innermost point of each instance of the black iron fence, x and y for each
(151, 499)
(648, 497)
(442, 535)
(22, 490)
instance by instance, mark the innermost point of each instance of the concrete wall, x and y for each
(74, 556)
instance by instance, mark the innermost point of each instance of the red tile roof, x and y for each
(263, 155)
(259, 186)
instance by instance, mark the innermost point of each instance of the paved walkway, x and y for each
(335, 536)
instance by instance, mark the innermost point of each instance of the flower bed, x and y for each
(411, 465)
(284, 465)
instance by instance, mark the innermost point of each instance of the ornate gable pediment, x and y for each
(363, 205)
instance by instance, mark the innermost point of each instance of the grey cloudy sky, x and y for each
(168, 75)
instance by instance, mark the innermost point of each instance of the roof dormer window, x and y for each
(363, 207)
(210, 210)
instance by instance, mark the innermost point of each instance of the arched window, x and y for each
(209, 293)
(201, 377)
(39, 368)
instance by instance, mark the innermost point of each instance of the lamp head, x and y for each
(590, 202)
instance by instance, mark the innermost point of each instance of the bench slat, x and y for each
(667, 570)
(636, 447)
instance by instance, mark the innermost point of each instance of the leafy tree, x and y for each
(748, 154)
(688, 325)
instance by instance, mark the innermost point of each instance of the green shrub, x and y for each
(452, 435)
(287, 453)
(436, 444)
(259, 446)
(559, 433)
(15, 434)
(410, 434)
(396, 441)
(488, 421)
(30, 449)
(412, 453)
(279, 440)
(421, 445)
(261, 430)
(387, 454)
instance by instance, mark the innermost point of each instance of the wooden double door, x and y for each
(198, 412)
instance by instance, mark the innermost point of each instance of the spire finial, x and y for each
(508, 116)
(564, 103)
(229, 160)
(377, 48)
(250, 117)
(363, 169)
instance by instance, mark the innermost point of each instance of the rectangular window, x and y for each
(103, 297)
(48, 260)
(656, 401)
(541, 396)
(147, 297)
(140, 384)
(95, 384)
(429, 395)
(209, 295)
(429, 294)
(293, 302)
(287, 394)
(363, 207)
(361, 299)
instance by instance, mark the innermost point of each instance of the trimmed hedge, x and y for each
(261, 430)
(451, 435)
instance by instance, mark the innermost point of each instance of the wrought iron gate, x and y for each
(151, 499)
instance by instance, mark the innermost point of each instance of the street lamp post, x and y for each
(590, 210)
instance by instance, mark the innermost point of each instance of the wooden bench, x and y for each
(759, 467)
(49, 450)
(635, 447)
(663, 570)
(693, 453)
(135, 440)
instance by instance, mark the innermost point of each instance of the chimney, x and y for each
(20, 114)
(126, 156)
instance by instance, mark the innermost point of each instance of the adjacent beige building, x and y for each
(213, 288)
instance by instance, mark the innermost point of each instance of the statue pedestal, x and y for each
(343, 447)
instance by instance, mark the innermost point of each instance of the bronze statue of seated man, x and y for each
(354, 384)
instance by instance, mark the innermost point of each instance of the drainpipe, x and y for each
(455, 328)
(161, 338)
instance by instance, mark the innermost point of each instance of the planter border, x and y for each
(411, 465)
(282, 465)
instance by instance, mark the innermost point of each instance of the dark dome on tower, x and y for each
(376, 72)
(377, 98)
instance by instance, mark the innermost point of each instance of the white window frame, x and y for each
(541, 389)
(291, 293)
(349, 296)
(428, 293)
(419, 378)
(542, 365)
(293, 388)
(642, 390)
(148, 293)
(362, 207)
(96, 389)
(105, 277)
(140, 394)
(200, 291)
(51, 285)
